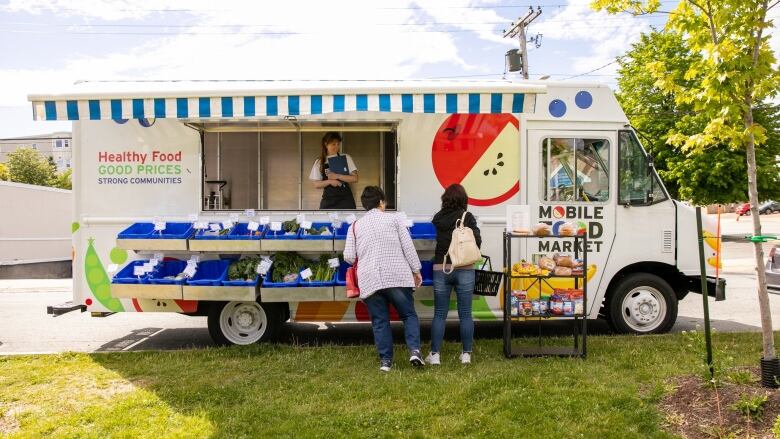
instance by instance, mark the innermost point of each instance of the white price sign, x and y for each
(264, 220)
(194, 259)
(112, 268)
(334, 216)
(159, 225)
(227, 224)
(147, 268)
(190, 270)
(200, 225)
(333, 263)
(138, 270)
(351, 218)
(307, 273)
(276, 226)
(153, 262)
(306, 225)
(215, 227)
(249, 213)
(253, 226)
(263, 267)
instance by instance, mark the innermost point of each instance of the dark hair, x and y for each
(327, 138)
(454, 197)
(371, 197)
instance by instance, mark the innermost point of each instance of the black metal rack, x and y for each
(579, 321)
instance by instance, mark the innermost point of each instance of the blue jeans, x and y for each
(378, 307)
(463, 282)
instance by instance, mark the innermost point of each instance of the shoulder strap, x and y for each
(462, 221)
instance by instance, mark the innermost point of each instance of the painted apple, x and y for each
(481, 152)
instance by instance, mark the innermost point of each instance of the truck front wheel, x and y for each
(642, 303)
(244, 323)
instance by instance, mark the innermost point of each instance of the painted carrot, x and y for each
(98, 280)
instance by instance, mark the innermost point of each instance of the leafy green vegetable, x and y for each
(323, 230)
(244, 269)
(322, 270)
(286, 263)
(290, 226)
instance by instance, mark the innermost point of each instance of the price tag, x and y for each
(138, 270)
(253, 226)
(264, 220)
(159, 256)
(215, 227)
(194, 259)
(307, 273)
(200, 225)
(233, 217)
(334, 263)
(334, 216)
(153, 262)
(190, 270)
(159, 225)
(227, 224)
(351, 218)
(300, 218)
(306, 225)
(263, 267)
(112, 268)
(192, 217)
(147, 268)
(276, 226)
(249, 213)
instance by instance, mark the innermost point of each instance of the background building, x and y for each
(55, 145)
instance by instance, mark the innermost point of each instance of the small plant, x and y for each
(741, 376)
(751, 407)
(776, 428)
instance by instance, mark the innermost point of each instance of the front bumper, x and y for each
(715, 288)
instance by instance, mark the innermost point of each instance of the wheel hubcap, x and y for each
(644, 309)
(243, 323)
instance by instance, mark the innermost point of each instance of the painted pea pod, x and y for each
(98, 281)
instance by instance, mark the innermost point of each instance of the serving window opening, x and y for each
(268, 167)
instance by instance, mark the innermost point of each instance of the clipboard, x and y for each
(338, 164)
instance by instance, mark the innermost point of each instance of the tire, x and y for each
(245, 323)
(642, 303)
(769, 211)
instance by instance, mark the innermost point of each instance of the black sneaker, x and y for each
(416, 359)
(385, 365)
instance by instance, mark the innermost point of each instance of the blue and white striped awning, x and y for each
(273, 99)
(231, 107)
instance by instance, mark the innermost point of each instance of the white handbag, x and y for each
(463, 247)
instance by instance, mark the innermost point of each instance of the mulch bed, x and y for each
(692, 409)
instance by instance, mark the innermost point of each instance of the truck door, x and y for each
(572, 179)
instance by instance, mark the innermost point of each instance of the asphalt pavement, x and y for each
(26, 328)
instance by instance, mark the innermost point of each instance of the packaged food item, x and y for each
(520, 294)
(562, 271)
(541, 229)
(556, 307)
(546, 263)
(526, 308)
(568, 308)
(521, 231)
(567, 229)
(514, 307)
(578, 308)
(563, 261)
(544, 307)
(535, 307)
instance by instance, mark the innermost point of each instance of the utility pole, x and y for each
(518, 30)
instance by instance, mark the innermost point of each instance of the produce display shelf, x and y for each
(297, 245)
(146, 291)
(152, 244)
(225, 245)
(297, 294)
(195, 292)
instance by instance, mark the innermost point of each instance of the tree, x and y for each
(715, 174)
(63, 179)
(3, 172)
(26, 165)
(734, 73)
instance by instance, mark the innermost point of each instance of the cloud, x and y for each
(258, 40)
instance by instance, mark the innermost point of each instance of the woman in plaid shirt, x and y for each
(388, 271)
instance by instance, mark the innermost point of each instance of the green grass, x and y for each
(337, 391)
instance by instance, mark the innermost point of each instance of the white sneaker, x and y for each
(465, 358)
(433, 358)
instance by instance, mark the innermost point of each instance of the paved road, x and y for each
(26, 328)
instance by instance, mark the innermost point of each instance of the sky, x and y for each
(49, 44)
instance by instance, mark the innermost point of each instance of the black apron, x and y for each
(337, 197)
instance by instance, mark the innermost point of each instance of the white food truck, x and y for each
(155, 158)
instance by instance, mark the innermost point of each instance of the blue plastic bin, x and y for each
(238, 283)
(210, 273)
(270, 234)
(326, 283)
(341, 274)
(268, 284)
(167, 268)
(125, 275)
(427, 273)
(240, 231)
(302, 233)
(173, 231)
(204, 234)
(423, 231)
(341, 231)
(137, 231)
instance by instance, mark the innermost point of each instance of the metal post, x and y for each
(704, 295)
(524, 51)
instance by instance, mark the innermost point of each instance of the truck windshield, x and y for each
(638, 182)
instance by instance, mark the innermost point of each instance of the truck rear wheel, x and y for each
(244, 323)
(642, 303)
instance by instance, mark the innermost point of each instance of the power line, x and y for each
(591, 71)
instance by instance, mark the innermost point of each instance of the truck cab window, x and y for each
(575, 169)
(638, 182)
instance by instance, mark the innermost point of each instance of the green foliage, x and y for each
(286, 264)
(716, 174)
(776, 429)
(62, 180)
(751, 407)
(321, 270)
(26, 165)
(244, 269)
(4, 172)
